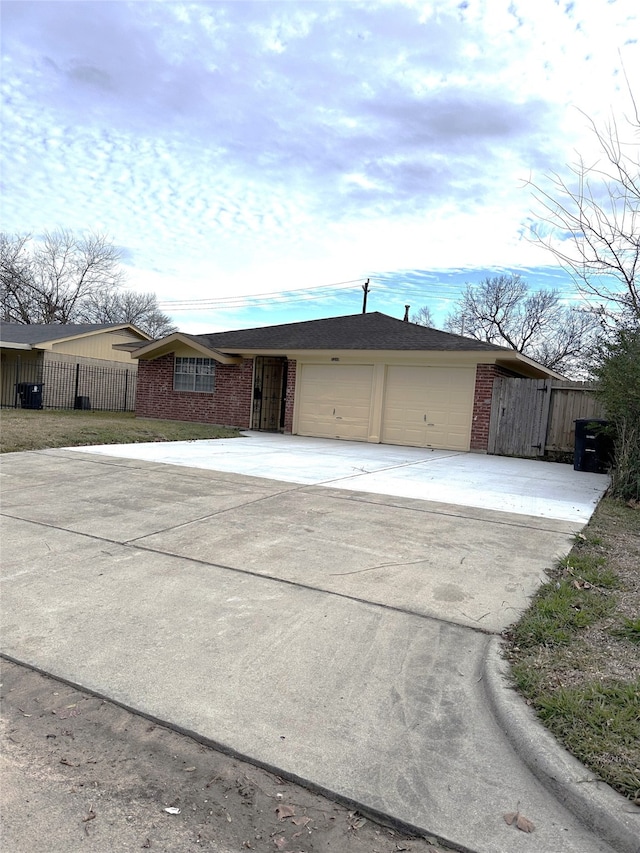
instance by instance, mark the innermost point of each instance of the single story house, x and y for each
(364, 377)
(67, 361)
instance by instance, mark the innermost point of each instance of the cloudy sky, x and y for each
(260, 160)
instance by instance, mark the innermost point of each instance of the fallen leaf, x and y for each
(172, 810)
(66, 762)
(90, 816)
(284, 812)
(524, 824)
(301, 821)
(65, 713)
(23, 713)
(189, 769)
(280, 842)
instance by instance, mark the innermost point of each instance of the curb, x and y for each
(605, 812)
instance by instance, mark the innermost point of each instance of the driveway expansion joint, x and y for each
(316, 589)
(135, 545)
(377, 707)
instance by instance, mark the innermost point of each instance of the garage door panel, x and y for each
(428, 406)
(458, 419)
(335, 401)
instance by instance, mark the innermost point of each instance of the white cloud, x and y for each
(244, 147)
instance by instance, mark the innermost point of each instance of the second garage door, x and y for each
(334, 401)
(428, 406)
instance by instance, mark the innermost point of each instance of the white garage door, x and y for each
(429, 406)
(334, 400)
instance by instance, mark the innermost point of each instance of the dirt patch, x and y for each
(80, 773)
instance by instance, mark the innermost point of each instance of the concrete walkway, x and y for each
(336, 635)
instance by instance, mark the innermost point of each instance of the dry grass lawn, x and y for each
(30, 429)
(575, 654)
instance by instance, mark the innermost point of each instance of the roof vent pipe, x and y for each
(406, 313)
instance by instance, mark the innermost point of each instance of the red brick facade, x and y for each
(229, 404)
(290, 396)
(485, 374)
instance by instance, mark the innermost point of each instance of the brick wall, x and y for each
(485, 374)
(229, 404)
(290, 396)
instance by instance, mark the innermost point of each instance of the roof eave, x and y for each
(49, 343)
(303, 352)
(116, 327)
(156, 349)
(130, 346)
(520, 363)
(12, 345)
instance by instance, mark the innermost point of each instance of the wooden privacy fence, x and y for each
(533, 417)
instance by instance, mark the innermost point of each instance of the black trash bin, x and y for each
(30, 394)
(593, 448)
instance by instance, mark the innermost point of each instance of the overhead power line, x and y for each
(287, 297)
(300, 293)
(420, 294)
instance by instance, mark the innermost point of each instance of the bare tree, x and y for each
(591, 221)
(502, 310)
(46, 282)
(423, 317)
(126, 306)
(18, 296)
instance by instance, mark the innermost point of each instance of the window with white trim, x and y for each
(193, 374)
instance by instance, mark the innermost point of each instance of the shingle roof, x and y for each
(374, 331)
(38, 333)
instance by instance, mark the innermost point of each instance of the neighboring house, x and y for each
(365, 377)
(68, 361)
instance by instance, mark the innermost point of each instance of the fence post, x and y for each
(75, 393)
(15, 387)
(126, 389)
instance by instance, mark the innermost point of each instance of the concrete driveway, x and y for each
(322, 608)
(522, 486)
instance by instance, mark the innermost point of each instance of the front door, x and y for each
(269, 389)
